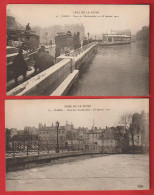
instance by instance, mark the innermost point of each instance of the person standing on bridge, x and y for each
(19, 66)
(43, 60)
(28, 27)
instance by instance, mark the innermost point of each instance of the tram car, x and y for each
(64, 43)
(27, 39)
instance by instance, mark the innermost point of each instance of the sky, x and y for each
(104, 112)
(101, 18)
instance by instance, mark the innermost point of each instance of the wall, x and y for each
(45, 82)
(20, 163)
(81, 58)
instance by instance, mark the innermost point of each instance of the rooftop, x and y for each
(116, 35)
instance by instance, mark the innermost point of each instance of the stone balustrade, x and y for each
(56, 80)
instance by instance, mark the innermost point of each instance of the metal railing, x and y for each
(18, 149)
(24, 149)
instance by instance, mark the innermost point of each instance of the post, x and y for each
(27, 147)
(88, 36)
(38, 147)
(13, 144)
(48, 147)
(57, 148)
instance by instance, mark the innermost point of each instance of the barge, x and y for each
(115, 39)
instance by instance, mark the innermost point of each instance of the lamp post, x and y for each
(57, 148)
(102, 37)
(88, 36)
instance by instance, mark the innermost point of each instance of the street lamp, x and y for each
(88, 36)
(57, 148)
(102, 37)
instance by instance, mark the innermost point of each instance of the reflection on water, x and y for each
(121, 70)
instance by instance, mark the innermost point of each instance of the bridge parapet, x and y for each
(80, 55)
(25, 148)
(56, 80)
(81, 50)
(45, 82)
(23, 162)
(23, 154)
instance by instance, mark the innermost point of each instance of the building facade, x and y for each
(139, 132)
(115, 140)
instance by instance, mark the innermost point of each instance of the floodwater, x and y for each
(112, 172)
(119, 70)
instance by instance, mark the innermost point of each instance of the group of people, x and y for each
(43, 60)
(76, 40)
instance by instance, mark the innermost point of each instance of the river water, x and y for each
(120, 70)
(111, 172)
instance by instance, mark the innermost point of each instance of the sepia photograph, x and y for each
(77, 145)
(77, 50)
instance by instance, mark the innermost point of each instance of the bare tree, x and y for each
(131, 131)
(126, 120)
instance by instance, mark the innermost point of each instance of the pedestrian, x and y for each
(19, 66)
(50, 42)
(43, 60)
(28, 27)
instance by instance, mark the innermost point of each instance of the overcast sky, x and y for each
(131, 17)
(21, 113)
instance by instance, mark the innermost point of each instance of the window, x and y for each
(109, 39)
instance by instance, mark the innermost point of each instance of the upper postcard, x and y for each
(77, 50)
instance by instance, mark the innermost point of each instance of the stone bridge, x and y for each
(56, 80)
(23, 162)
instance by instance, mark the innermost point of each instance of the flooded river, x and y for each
(121, 70)
(111, 172)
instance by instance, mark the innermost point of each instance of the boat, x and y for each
(115, 39)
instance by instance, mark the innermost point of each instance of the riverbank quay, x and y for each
(26, 162)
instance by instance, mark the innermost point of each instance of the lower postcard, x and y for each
(77, 144)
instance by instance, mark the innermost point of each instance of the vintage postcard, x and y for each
(77, 50)
(76, 145)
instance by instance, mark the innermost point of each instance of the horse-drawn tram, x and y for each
(28, 39)
(115, 39)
